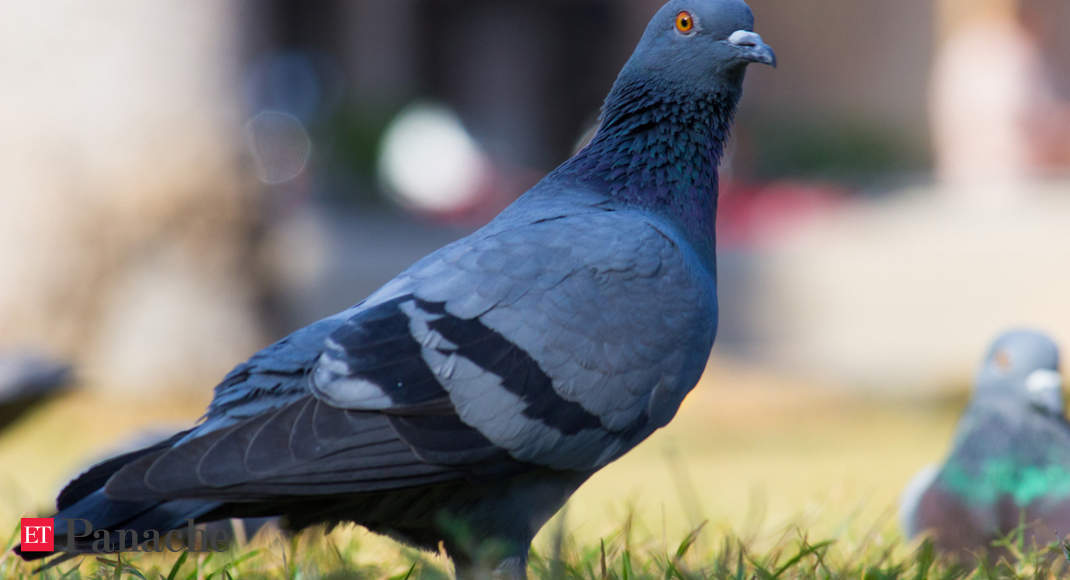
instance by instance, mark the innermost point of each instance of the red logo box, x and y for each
(37, 535)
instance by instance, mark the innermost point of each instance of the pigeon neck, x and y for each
(659, 150)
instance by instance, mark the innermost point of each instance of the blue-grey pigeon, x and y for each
(465, 400)
(1010, 460)
(26, 381)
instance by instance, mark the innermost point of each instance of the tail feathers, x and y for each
(95, 478)
(97, 523)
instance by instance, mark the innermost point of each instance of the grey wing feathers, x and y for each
(305, 448)
(271, 378)
(559, 342)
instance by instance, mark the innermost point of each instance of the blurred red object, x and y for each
(752, 214)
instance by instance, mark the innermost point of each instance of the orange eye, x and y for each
(1003, 360)
(685, 23)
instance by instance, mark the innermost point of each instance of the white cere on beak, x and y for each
(1045, 387)
(745, 38)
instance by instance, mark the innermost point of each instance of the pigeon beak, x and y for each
(1045, 390)
(1044, 380)
(752, 48)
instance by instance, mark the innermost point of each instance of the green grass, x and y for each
(623, 555)
(758, 477)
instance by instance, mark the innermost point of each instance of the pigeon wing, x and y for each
(560, 343)
(564, 342)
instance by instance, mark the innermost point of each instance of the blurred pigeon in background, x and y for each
(1010, 461)
(465, 400)
(27, 380)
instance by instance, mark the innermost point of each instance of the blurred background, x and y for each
(184, 182)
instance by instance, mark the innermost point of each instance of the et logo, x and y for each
(37, 535)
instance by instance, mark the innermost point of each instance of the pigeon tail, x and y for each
(100, 524)
(90, 521)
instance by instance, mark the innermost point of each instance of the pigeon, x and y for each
(27, 380)
(1010, 461)
(463, 402)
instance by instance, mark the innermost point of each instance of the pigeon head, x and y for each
(1023, 364)
(668, 114)
(700, 47)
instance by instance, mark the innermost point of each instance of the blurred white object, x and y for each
(430, 162)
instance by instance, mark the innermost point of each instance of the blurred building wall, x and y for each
(528, 76)
(906, 292)
(124, 221)
(838, 57)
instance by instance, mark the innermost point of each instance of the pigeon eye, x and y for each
(685, 23)
(1002, 360)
